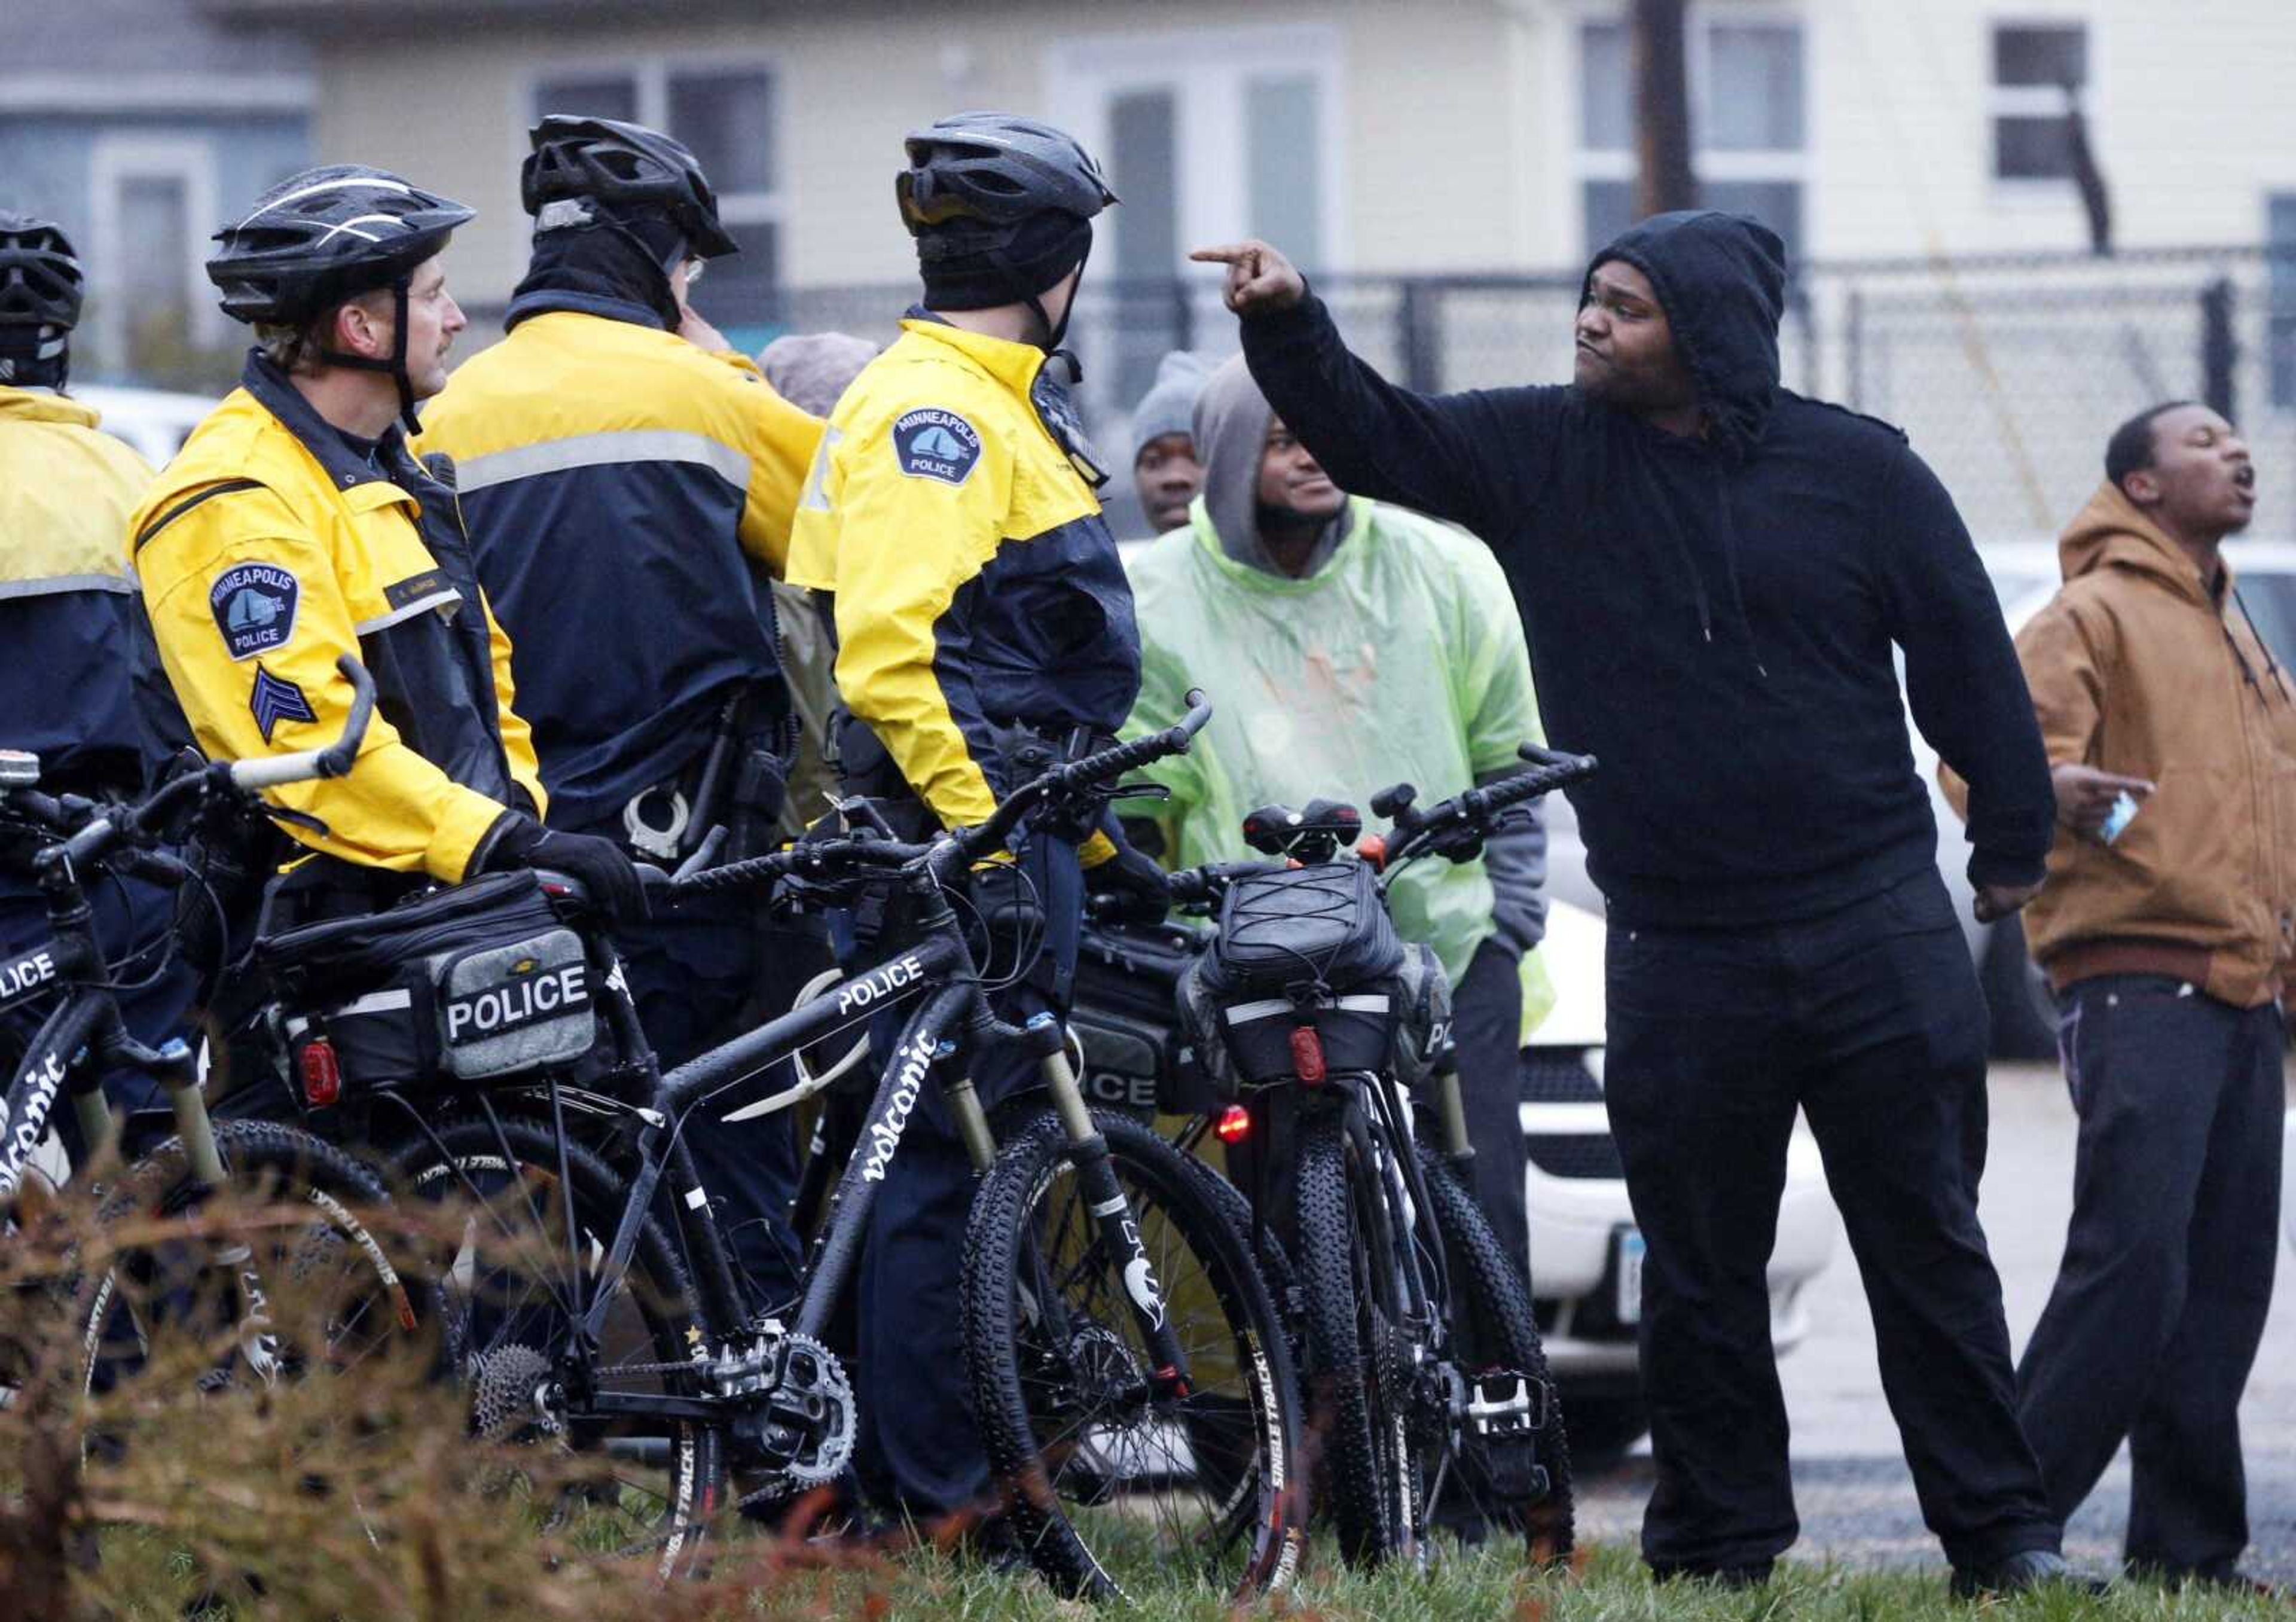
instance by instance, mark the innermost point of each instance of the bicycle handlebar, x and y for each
(1477, 808)
(130, 824)
(960, 848)
(303, 765)
(1114, 761)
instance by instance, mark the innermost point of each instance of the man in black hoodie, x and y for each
(1712, 571)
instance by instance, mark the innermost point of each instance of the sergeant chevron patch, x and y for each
(276, 699)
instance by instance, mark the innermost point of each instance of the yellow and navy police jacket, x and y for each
(622, 488)
(77, 686)
(975, 582)
(271, 546)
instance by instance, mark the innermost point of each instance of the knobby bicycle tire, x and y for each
(1356, 1405)
(1494, 1329)
(1092, 1464)
(265, 1160)
(491, 1325)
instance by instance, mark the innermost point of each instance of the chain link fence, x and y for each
(2008, 372)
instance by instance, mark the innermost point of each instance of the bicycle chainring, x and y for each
(805, 1421)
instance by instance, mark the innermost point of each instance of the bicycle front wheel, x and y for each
(1109, 1478)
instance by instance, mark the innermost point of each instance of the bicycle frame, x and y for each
(954, 1018)
(79, 1039)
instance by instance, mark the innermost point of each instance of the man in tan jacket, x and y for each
(2164, 928)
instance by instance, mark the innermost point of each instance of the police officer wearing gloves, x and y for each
(628, 478)
(295, 526)
(984, 628)
(76, 687)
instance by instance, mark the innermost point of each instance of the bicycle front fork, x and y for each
(1104, 1197)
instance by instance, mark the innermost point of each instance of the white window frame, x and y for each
(113, 160)
(2032, 101)
(1207, 71)
(651, 76)
(1794, 165)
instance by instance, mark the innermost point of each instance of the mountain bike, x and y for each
(192, 1280)
(1428, 1386)
(1134, 1387)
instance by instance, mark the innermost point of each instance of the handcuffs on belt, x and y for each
(663, 843)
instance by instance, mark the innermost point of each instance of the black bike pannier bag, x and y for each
(1308, 947)
(470, 982)
(1136, 1055)
(1317, 926)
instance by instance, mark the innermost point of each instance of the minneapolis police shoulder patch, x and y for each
(931, 443)
(254, 607)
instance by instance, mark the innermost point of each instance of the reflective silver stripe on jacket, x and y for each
(55, 585)
(622, 447)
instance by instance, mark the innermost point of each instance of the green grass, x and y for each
(1474, 1586)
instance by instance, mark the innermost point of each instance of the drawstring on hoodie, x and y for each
(1730, 570)
(2271, 665)
(1734, 392)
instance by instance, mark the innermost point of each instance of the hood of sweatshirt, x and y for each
(1231, 434)
(2113, 532)
(1721, 279)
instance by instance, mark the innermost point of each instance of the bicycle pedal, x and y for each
(1505, 1405)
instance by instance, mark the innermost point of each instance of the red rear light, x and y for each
(322, 1076)
(1308, 1054)
(1235, 1124)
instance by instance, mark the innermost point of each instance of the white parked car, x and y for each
(156, 422)
(1586, 1253)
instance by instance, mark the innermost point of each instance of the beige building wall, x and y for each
(1457, 120)
(1429, 171)
(2189, 108)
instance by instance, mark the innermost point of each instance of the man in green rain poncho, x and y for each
(1347, 644)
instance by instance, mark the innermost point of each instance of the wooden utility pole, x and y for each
(1663, 176)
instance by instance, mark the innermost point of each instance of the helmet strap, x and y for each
(1053, 331)
(396, 366)
(47, 366)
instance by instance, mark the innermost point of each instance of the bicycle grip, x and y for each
(336, 758)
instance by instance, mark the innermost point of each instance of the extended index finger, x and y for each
(1226, 253)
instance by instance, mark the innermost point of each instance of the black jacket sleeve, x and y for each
(1461, 456)
(1962, 676)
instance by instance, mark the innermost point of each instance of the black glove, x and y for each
(1012, 919)
(1141, 890)
(517, 840)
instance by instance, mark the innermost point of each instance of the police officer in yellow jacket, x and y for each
(984, 627)
(628, 479)
(295, 526)
(77, 687)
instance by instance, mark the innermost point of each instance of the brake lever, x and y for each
(1140, 791)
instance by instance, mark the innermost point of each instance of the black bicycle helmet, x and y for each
(622, 166)
(325, 235)
(997, 170)
(41, 285)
